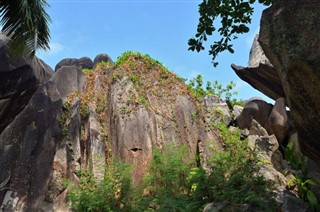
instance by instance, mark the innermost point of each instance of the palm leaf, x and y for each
(27, 24)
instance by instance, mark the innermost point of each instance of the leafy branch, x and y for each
(234, 16)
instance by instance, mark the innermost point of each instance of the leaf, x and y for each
(312, 200)
(230, 49)
(313, 182)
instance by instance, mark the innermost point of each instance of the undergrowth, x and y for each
(174, 183)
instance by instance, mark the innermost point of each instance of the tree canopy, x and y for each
(234, 17)
(26, 22)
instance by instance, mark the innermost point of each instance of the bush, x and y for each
(196, 85)
(232, 177)
(109, 194)
(174, 183)
(165, 185)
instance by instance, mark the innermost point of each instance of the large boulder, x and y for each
(289, 36)
(40, 70)
(81, 63)
(254, 109)
(101, 58)
(278, 121)
(19, 79)
(29, 143)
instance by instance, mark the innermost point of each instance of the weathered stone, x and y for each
(29, 142)
(236, 112)
(214, 207)
(40, 70)
(101, 58)
(33, 133)
(293, 203)
(254, 109)
(278, 123)
(257, 56)
(260, 74)
(20, 78)
(134, 133)
(217, 111)
(81, 63)
(16, 88)
(289, 36)
(68, 79)
(257, 129)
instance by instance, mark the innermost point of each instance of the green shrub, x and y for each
(109, 194)
(174, 183)
(232, 177)
(196, 86)
(303, 184)
(87, 70)
(166, 184)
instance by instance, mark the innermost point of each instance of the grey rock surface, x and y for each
(81, 63)
(101, 58)
(291, 43)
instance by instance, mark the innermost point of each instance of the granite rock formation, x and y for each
(289, 38)
(76, 120)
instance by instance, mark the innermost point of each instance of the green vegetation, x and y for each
(27, 23)
(109, 194)
(87, 70)
(166, 184)
(196, 85)
(65, 117)
(175, 183)
(234, 177)
(302, 184)
(234, 17)
(129, 57)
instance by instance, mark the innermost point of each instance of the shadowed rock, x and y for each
(254, 109)
(19, 79)
(289, 36)
(263, 78)
(278, 123)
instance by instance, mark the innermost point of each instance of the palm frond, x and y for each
(27, 24)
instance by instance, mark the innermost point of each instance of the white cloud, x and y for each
(55, 48)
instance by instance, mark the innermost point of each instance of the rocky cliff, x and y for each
(78, 119)
(53, 124)
(289, 40)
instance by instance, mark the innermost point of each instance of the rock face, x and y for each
(30, 141)
(289, 37)
(76, 120)
(217, 110)
(20, 78)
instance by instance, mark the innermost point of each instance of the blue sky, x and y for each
(160, 28)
